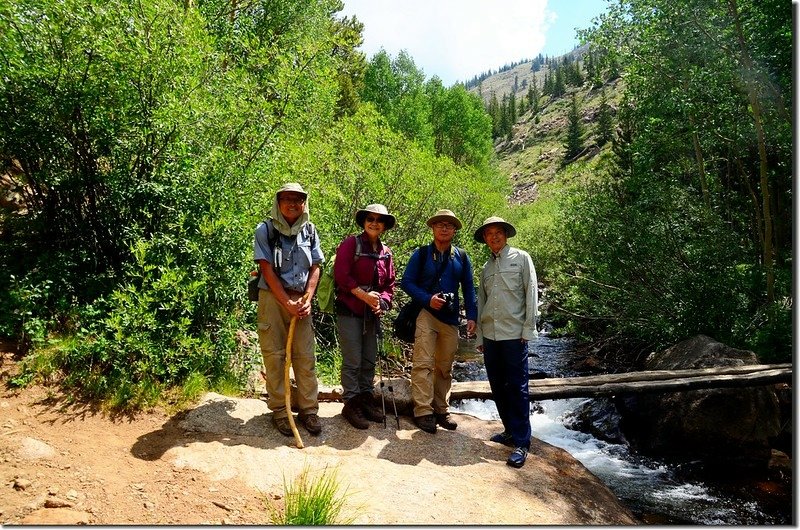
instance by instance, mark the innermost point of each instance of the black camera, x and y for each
(449, 302)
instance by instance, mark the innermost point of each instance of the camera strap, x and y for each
(437, 281)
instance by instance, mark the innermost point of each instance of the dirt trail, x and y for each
(219, 462)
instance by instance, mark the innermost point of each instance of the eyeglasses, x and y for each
(445, 226)
(374, 219)
(292, 200)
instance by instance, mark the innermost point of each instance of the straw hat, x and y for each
(494, 220)
(379, 209)
(444, 215)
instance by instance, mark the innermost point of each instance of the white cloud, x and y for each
(454, 39)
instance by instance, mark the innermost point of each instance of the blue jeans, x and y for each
(507, 370)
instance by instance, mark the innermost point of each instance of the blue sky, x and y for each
(458, 39)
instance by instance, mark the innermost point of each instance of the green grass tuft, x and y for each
(312, 501)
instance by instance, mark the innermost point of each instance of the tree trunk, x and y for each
(755, 105)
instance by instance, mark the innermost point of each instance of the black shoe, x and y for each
(283, 426)
(517, 458)
(502, 438)
(446, 421)
(352, 413)
(427, 423)
(311, 423)
(370, 408)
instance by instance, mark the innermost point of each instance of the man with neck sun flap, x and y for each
(287, 251)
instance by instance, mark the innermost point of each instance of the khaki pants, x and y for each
(435, 345)
(273, 330)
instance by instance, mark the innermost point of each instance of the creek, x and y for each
(656, 492)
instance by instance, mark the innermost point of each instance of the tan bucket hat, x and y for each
(494, 220)
(291, 186)
(444, 215)
(379, 209)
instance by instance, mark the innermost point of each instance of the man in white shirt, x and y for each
(507, 301)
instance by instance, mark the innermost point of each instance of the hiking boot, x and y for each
(352, 412)
(517, 458)
(311, 423)
(502, 438)
(370, 408)
(445, 420)
(283, 426)
(427, 423)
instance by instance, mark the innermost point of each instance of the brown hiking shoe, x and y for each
(352, 412)
(311, 423)
(370, 408)
(446, 421)
(283, 426)
(427, 423)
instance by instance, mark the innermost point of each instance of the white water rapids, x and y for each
(645, 485)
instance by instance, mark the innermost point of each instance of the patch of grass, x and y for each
(311, 500)
(329, 366)
(42, 363)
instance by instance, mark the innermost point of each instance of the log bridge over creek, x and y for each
(638, 382)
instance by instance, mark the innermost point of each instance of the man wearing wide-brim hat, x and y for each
(507, 309)
(287, 251)
(433, 277)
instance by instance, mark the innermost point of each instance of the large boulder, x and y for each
(726, 428)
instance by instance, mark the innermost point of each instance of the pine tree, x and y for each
(559, 88)
(604, 131)
(573, 145)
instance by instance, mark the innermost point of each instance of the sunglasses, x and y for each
(374, 219)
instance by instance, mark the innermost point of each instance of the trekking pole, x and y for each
(382, 355)
(287, 385)
(380, 368)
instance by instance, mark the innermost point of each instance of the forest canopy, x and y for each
(142, 142)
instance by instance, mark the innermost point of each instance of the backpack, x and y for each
(326, 288)
(274, 235)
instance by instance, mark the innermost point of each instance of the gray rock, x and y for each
(725, 428)
(33, 449)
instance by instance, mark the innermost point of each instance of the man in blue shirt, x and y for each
(287, 251)
(432, 278)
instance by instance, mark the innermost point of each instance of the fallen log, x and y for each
(638, 382)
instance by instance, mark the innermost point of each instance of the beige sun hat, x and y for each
(494, 220)
(444, 215)
(379, 209)
(291, 186)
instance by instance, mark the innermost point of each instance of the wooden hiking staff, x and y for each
(287, 385)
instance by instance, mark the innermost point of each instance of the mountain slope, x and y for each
(534, 155)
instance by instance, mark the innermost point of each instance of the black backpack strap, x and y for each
(462, 258)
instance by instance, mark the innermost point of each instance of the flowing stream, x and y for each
(650, 488)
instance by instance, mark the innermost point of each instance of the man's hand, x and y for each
(437, 301)
(470, 327)
(298, 308)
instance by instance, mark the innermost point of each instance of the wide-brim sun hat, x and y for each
(379, 209)
(292, 186)
(446, 216)
(494, 220)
